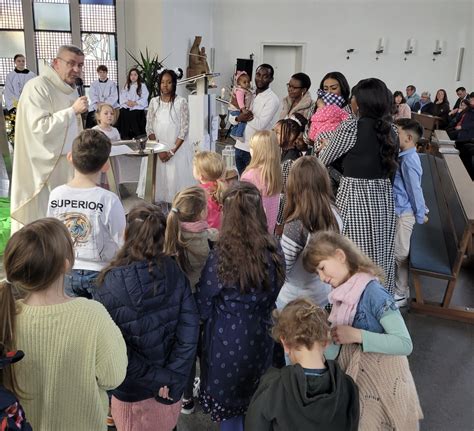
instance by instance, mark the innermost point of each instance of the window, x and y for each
(53, 25)
(12, 39)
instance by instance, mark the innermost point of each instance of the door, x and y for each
(286, 60)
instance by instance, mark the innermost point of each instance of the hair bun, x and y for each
(179, 72)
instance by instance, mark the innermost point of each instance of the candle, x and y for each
(222, 93)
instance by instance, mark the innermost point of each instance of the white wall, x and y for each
(331, 27)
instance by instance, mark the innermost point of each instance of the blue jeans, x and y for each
(81, 282)
(242, 159)
(238, 129)
(233, 424)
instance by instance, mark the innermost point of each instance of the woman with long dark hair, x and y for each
(235, 298)
(364, 198)
(441, 108)
(133, 102)
(400, 106)
(167, 121)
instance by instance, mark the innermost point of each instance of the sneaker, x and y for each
(196, 387)
(401, 300)
(187, 407)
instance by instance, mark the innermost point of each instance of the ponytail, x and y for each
(188, 205)
(7, 334)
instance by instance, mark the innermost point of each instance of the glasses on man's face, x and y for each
(292, 87)
(71, 64)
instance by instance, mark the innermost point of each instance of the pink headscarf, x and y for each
(238, 74)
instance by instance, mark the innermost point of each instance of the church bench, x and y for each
(439, 246)
(445, 144)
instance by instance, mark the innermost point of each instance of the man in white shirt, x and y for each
(102, 90)
(15, 81)
(260, 116)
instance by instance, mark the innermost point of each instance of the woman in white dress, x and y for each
(167, 121)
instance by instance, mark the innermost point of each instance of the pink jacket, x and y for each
(326, 119)
(270, 203)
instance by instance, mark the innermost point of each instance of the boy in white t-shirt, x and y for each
(94, 216)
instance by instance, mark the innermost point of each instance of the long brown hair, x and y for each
(35, 257)
(187, 206)
(309, 195)
(139, 81)
(324, 244)
(244, 241)
(144, 238)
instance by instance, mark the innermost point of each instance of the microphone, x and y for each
(80, 87)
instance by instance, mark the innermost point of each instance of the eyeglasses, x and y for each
(292, 87)
(71, 64)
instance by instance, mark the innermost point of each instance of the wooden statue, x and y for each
(197, 59)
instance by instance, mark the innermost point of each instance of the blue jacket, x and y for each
(157, 314)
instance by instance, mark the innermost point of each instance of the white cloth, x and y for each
(46, 125)
(14, 83)
(166, 121)
(103, 92)
(112, 133)
(126, 168)
(96, 219)
(131, 94)
(264, 107)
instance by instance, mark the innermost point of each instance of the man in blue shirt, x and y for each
(412, 97)
(409, 202)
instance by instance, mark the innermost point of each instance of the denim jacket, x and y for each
(373, 303)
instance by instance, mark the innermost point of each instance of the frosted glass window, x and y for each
(102, 2)
(6, 65)
(11, 43)
(47, 45)
(11, 14)
(97, 18)
(52, 16)
(90, 70)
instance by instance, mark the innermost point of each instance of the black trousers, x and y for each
(131, 123)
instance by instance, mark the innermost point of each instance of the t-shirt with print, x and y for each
(96, 219)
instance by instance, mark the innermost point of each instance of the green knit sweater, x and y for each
(74, 352)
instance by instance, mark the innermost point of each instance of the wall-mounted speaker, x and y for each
(459, 65)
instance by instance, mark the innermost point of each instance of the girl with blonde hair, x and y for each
(366, 322)
(264, 172)
(209, 169)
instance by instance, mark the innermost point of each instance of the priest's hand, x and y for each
(81, 105)
(152, 137)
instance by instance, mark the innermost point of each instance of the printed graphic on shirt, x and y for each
(79, 226)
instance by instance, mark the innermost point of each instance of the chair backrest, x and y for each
(428, 122)
(453, 216)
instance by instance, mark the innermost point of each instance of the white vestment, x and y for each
(14, 84)
(46, 125)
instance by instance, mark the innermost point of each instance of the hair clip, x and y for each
(160, 71)
(175, 210)
(296, 120)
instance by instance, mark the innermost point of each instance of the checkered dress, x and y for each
(366, 205)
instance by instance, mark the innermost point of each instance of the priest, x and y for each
(48, 119)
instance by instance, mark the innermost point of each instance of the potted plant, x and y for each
(148, 67)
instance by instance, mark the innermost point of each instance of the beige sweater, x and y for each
(387, 392)
(74, 352)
